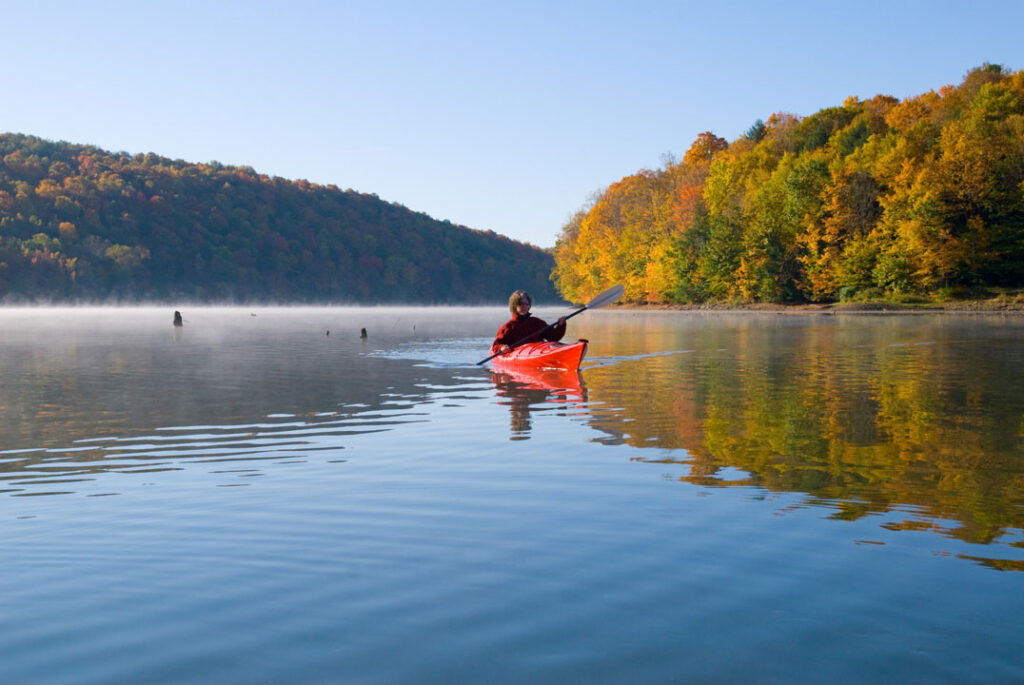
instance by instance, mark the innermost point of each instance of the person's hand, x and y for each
(504, 348)
(561, 321)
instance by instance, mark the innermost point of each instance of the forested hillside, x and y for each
(81, 224)
(873, 199)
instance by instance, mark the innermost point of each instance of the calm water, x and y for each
(716, 498)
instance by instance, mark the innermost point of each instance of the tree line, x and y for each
(876, 199)
(78, 223)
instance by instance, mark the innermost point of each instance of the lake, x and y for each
(263, 496)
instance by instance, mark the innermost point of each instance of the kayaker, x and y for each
(523, 326)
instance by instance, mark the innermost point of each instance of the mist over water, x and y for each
(262, 495)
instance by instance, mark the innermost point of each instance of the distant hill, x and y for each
(78, 223)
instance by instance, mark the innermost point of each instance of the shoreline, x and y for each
(995, 306)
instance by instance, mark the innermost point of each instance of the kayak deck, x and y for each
(544, 355)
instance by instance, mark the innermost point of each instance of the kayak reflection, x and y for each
(526, 390)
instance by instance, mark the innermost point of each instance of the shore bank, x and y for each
(996, 305)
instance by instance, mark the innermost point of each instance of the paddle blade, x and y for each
(607, 297)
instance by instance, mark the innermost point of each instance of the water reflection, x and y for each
(524, 391)
(916, 420)
(919, 420)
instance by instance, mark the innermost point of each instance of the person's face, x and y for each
(523, 307)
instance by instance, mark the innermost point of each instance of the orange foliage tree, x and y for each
(875, 198)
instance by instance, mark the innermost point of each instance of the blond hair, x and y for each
(516, 298)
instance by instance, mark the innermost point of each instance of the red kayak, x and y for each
(544, 355)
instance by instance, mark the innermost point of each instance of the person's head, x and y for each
(519, 297)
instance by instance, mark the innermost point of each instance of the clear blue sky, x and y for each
(496, 115)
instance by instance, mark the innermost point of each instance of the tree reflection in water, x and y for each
(919, 419)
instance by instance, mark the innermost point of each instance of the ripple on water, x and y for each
(280, 439)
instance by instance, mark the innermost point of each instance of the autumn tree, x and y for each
(874, 198)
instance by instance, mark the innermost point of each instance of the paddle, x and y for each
(607, 297)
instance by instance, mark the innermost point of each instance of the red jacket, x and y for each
(519, 327)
